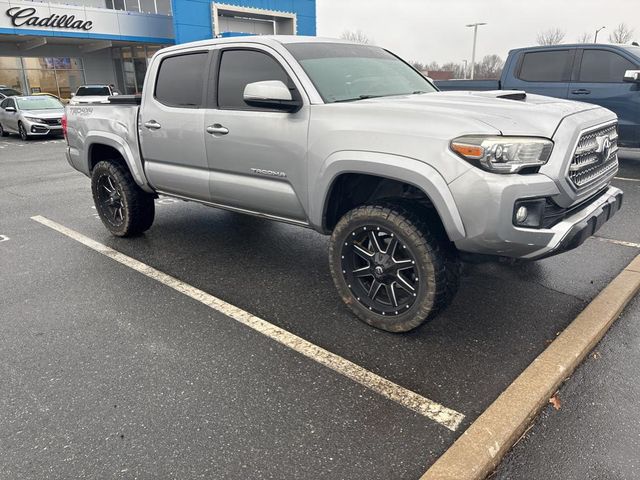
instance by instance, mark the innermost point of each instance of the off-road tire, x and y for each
(3, 132)
(137, 206)
(436, 260)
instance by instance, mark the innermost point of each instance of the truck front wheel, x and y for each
(124, 208)
(392, 267)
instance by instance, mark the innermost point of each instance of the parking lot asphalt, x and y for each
(112, 374)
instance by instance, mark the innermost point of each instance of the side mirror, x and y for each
(10, 109)
(272, 94)
(73, 95)
(632, 76)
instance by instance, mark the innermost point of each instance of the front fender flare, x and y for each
(394, 167)
(131, 156)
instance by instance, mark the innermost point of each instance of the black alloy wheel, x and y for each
(393, 264)
(380, 270)
(110, 205)
(3, 133)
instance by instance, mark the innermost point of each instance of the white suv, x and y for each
(93, 94)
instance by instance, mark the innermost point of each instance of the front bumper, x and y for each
(42, 129)
(593, 217)
(486, 205)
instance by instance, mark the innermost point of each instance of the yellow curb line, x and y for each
(479, 450)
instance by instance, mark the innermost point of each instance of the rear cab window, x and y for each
(93, 91)
(181, 79)
(546, 66)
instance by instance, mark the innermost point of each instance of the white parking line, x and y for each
(627, 179)
(4, 238)
(444, 416)
(618, 242)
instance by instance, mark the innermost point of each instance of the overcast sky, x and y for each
(428, 30)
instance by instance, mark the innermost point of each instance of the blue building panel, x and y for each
(192, 19)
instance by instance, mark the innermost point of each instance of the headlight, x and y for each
(34, 119)
(503, 154)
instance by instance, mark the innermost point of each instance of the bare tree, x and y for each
(586, 37)
(356, 36)
(489, 68)
(456, 68)
(621, 34)
(553, 36)
(418, 65)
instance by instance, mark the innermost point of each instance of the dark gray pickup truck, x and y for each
(605, 75)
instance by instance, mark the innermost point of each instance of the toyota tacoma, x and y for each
(349, 140)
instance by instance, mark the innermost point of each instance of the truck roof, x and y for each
(563, 46)
(259, 39)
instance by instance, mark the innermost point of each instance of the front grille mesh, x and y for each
(52, 121)
(588, 163)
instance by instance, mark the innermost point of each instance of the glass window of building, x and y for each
(11, 73)
(59, 76)
(130, 65)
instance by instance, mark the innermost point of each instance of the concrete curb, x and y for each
(481, 447)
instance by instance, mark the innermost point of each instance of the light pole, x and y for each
(473, 53)
(464, 72)
(595, 38)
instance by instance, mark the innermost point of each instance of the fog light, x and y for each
(521, 214)
(529, 213)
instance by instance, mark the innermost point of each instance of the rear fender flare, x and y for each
(132, 158)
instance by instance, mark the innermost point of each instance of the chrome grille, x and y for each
(52, 121)
(589, 163)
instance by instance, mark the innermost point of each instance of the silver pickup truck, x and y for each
(350, 141)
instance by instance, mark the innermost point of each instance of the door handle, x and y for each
(581, 91)
(152, 125)
(217, 129)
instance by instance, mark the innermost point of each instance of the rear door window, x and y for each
(181, 79)
(549, 66)
(603, 66)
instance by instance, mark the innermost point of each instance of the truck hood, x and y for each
(533, 115)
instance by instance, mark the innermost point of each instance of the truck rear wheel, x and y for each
(124, 208)
(392, 268)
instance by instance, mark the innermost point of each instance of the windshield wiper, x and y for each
(361, 97)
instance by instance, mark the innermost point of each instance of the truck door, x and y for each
(599, 80)
(171, 125)
(542, 72)
(257, 156)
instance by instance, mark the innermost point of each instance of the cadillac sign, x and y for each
(23, 17)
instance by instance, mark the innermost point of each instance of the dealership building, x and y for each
(58, 45)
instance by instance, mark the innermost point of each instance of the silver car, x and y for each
(31, 116)
(7, 92)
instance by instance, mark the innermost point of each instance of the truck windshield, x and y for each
(39, 103)
(343, 72)
(93, 91)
